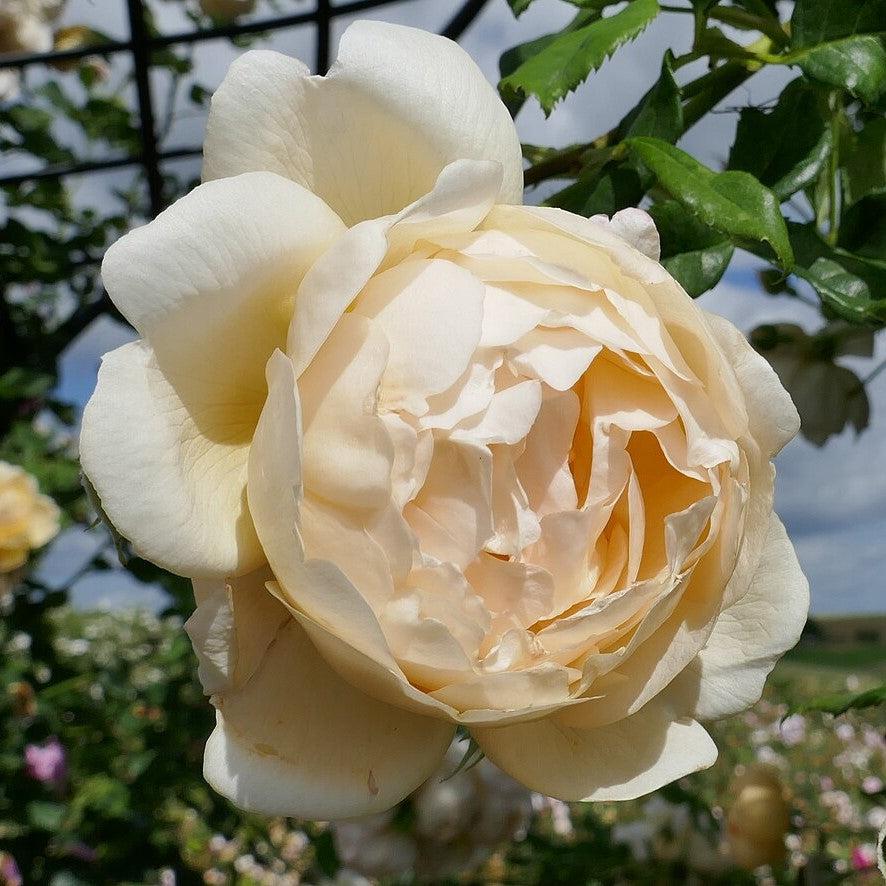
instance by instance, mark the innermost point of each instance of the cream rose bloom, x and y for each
(28, 520)
(433, 457)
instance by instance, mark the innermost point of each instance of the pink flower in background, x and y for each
(10, 875)
(863, 857)
(872, 785)
(46, 763)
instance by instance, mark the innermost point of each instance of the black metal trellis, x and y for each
(141, 45)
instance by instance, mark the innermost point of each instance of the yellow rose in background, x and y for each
(432, 457)
(28, 520)
(758, 819)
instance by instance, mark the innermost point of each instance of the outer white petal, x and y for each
(172, 478)
(624, 760)
(228, 252)
(210, 284)
(298, 740)
(371, 136)
(750, 635)
(234, 623)
(772, 416)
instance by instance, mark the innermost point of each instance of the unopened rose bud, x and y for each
(226, 10)
(23, 701)
(759, 818)
(72, 37)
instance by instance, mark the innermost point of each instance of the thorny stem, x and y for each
(741, 18)
(703, 94)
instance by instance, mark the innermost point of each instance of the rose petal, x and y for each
(750, 635)
(623, 761)
(347, 455)
(772, 416)
(371, 136)
(210, 284)
(462, 195)
(234, 623)
(430, 313)
(258, 760)
(170, 476)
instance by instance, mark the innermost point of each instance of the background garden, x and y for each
(753, 130)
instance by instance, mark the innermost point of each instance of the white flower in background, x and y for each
(451, 825)
(666, 832)
(792, 730)
(226, 10)
(28, 520)
(25, 27)
(637, 836)
(433, 457)
(559, 812)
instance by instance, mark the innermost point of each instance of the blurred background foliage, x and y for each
(102, 720)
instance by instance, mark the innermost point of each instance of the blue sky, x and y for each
(832, 500)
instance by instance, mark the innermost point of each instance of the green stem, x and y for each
(741, 18)
(834, 189)
(872, 375)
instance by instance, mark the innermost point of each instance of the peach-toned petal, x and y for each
(628, 759)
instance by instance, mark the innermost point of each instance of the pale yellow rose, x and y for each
(28, 520)
(433, 457)
(758, 818)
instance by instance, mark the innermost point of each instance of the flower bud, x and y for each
(758, 819)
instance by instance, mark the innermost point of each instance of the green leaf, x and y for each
(45, 816)
(834, 42)
(842, 702)
(696, 255)
(605, 190)
(518, 7)
(865, 166)
(472, 756)
(857, 64)
(847, 295)
(563, 63)
(660, 112)
(120, 544)
(516, 56)
(820, 21)
(199, 95)
(863, 228)
(19, 383)
(732, 202)
(787, 147)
